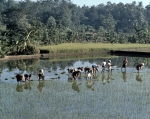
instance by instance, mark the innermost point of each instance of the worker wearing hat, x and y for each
(109, 65)
(139, 66)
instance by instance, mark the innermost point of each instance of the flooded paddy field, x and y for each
(109, 95)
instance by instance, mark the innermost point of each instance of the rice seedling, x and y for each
(63, 72)
(49, 71)
(56, 99)
(53, 78)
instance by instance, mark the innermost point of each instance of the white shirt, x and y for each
(104, 64)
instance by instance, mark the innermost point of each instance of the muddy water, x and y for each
(109, 95)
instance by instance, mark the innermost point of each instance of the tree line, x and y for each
(27, 24)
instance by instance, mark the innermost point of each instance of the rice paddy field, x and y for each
(109, 95)
(92, 47)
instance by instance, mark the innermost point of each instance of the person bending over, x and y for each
(139, 66)
(95, 67)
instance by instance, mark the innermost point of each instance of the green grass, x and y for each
(92, 47)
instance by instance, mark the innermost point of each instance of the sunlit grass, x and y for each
(69, 51)
(82, 47)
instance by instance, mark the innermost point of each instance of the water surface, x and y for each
(116, 95)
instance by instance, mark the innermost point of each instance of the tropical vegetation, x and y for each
(25, 26)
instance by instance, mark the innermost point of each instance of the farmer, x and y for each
(125, 62)
(139, 66)
(41, 74)
(103, 65)
(95, 67)
(109, 65)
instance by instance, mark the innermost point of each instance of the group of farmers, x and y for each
(124, 65)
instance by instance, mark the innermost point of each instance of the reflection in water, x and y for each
(23, 64)
(89, 76)
(33, 64)
(139, 78)
(109, 76)
(70, 76)
(103, 79)
(124, 99)
(27, 86)
(41, 85)
(75, 86)
(19, 88)
(124, 76)
(8, 69)
(90, 85)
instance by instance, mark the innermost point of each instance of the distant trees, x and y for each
(26, 24)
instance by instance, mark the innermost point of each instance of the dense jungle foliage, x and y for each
(24, 25)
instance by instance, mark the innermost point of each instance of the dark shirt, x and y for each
(94, 66)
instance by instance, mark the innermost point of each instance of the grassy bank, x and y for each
(93, 47)
(68, 51)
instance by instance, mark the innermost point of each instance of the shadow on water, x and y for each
(130, 53)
